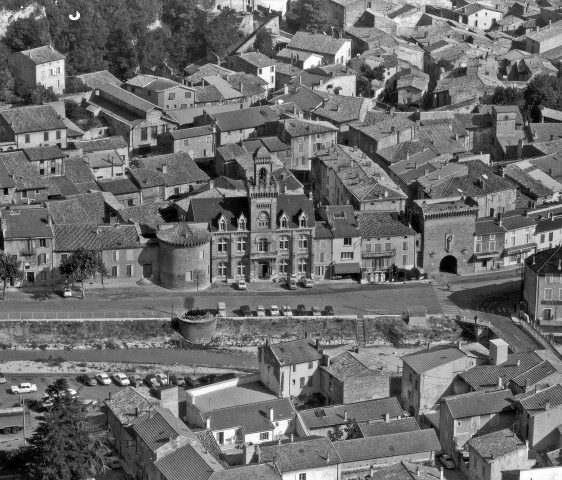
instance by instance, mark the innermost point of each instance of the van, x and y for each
(222, 309)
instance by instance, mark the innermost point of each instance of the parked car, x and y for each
(67, 291)
(24, 388)
(135, 380)
(307, 282)
(287, 311)
(447, 462)
(245, 311)
(71, 392)
(329, 310)
(316, 312)
(88, 379)
(301, 310)
(221, 307)
(177, 380)
(192, 381)
(260, 312)
(121, 379)
(162, 378)
(292, 284)
(113, 462)
(274, 310)
(241, 284)
(150, 380)
(2, 378)
(103, 378)
(88, 405)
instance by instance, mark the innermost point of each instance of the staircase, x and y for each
(360, 331)
(442, 294)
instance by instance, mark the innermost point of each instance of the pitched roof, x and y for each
(156, 430)
(101, 144)
(377, 429)
(497, 444)
(545, 261)
(180, 169)
(37, 154)
(386, 224)
(320, 43)
(118, 186)
(405, 471)
(426, 360)
(369, 410)
(96, 79)
(384, 446)
(479, 403)
(262, 471)
(537, 403)
(84, 208)
(23, 173)
(125, 402)
(257, 59)
(302, 97)
(71, 237)
(302, 455)
(295, 352)
(26, 223)
(341, 109)
(36, 118)
(128, 98)
(187, 463)
(44, 54)
(383, 129)
(147, 216)
(246, 118)
(296, 127)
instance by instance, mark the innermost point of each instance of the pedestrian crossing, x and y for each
(442, 294)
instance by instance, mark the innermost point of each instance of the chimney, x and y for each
(328, 457)
(208, 423)
(459, 343)
(527, 384)
(286, 89)
(371, 471)
(317, 344)
(547, 405)
(428, 345)
(305, 334)
(110, 395)
(441, 473)
(386, 417)
(560, 264)
(418, 471)
(164, 168)
(270, 413)
(49, 220)
(345, 415)
(500, 382)
(292, 438)
(136, 411)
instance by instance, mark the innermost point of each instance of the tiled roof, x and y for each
(183, 234)
(485, 226)
(118, 186)
(64, 186)
(535, 375)
(118, 236)
(252, 417)
(147, 216)
(156, 430)
(405, 471)
(101, 144)
(479, 403)
(37, 154)
(341, 109)
(264, 471)
(303, 97)
(198, 72)
(257, 59)
(543, 400)
(496, 445)
(209, 443)
(78, 171)
(26, 223)
(44, 54)
(548, 224)
(295, 127)
(246, 118)
(71, 237)
(545, 261)
(123, 405)
(22, 172)
(377, 429)
(128, 98)
(369, 410)
(380, 130)
(191, 132)
(318, 43)
(35, 118)
(545, 33)
(295, 352)
(96, 79)
(84, 208)
(181, 169)
(385, 224)
(187, 463)
(486, 376)
(426, 360)
(384, 446)
(302, 455)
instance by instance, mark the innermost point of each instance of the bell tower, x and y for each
(262, 193)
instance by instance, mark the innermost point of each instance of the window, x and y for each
(322, 257)
(115, 255)
(560, 294)
(264, 436)
(378, 248)
(302, 221)
(551, 236)
(548, 293)
(63, 257)
(43, 242)
(283, 222)
(284, 243)
(114, 271)
(171, 96)
(404, 259)
(129, 270)
(301, 265)
(310, 365)
(201, 254)
(241, 269)
(478, 247)
(547, 314)
(153, 132)
(42, 258)
(240, 244)
(302, 380)
(27, 138)
(46, 136)
(222, 245)
(6, 191)
(347, 242)
(548, 278)
(24, 194)
(221, 269)
(187, 95)
(59, 134)
(284, 266)
(302, 476)
(387, 247)
(492, 246)
(222, 225)
(263, 245)
(42, 275)
(189, 276)
(303, 241)
(144, 133)
(347, 255)
(242, 224)
(260, 71)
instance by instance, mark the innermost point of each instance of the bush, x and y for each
(394, 331)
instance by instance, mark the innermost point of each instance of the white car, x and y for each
(103, 378)
(274, 310)
(447, 462)
(121, 379)
(287, 311)
(162, 378)
(260, 312)
(113, 462)
(241, 284)
(67, 291)
(307, 283)
(71, 392)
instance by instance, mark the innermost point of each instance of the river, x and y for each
(208, 358)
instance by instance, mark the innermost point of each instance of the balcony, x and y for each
(267, 254)
(27, 252)
(385, 253)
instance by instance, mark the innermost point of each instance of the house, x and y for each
(428, 375)
(379, 429)
(462, 417)
(198, 142)
(345, 175)
(346, 13)
(478, 15)
(489, 237)
(388, 245)
(548, 232)
(255, 63)
(290, 369)
(105, 165)
(138, 121)
(533, 182)
(185, 459)
(411, 86)
(380, 411)
(305, 459)
(33, 126)
(216, 90)
(27, 234)
(301, 100)
(341, 112)
(22, 184)
(544, 39)
(295, 61)
(496, 452)
(126, 191)
(337, 79)
(540, 413)
(404, 470)
(48, 161)
(332, 50)
(92, 80)
(371, 137)
(105, 146)
(41, 65)
(519, 238)
(161, 91)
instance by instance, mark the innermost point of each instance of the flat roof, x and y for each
(233, 396)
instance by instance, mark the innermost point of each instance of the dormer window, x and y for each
(284, 221)
(302, 220)
(222, 224)
(242, 223)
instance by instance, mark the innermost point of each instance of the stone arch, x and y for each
(448, 264)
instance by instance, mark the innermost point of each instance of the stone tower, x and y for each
(262, 193)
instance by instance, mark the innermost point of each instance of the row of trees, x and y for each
(77, 267)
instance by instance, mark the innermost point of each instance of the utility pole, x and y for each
(22, 403)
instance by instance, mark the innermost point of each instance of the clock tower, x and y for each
(262, 193)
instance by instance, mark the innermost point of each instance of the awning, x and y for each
(480, 256)
(346, 268)
(519, 249)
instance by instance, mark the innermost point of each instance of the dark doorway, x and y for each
(262, 270)
(448, 264)
(30, 277)
(147, 270)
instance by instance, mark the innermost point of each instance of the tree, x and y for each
(7, 82)
(81, 265)
(505, 96)
(352, 430)
(10, 271)
(366, 75)
(335, 434)
(446, 65)
(63, 446)
(57, 388)
(264, 42)
(27, 33)
(311, 13)
(545, 90)
(223, 32)
(39, 95)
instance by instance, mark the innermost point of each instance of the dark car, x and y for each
(245, 311)
(192, 381)
(151, 381)
(301, 310)
(329, 310)
(177, 380)
(88, 379)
